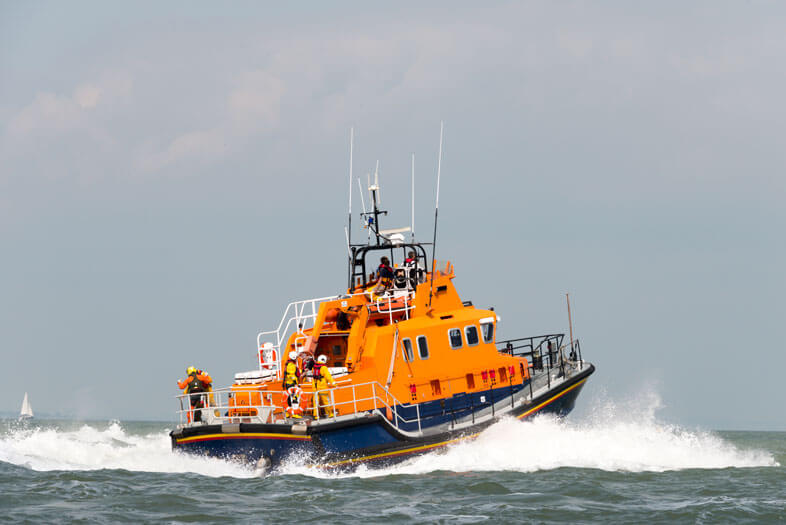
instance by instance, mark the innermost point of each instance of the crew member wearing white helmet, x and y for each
(322, 379)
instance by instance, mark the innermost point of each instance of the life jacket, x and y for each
(385, 274)
(195, 385)
(207, 381)
(318, 379)
(321, 376)
(291, 373)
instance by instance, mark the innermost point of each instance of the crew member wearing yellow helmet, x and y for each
(195, 385)
(322, 379)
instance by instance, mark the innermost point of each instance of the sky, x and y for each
(173, 174)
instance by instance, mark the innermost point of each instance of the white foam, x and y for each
(91, 448)
(629, 439)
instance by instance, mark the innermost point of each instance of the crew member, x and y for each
(194, 385)
(208, 388)
(385, 276)
(291, 371)
(414, 272)
(322, 379)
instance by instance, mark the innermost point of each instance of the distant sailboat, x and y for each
(27, 410)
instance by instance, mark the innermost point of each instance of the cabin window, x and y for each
(422, 347)
(488, 332)
(454, 334)
(503, 375)
(471, 332)
(470, 381)
(409, 354)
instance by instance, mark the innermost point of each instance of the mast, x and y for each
(376, 198)
(436, 214)
(570, 321)
(349, 213)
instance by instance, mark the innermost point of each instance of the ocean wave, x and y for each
(90, 447)
(627, 438)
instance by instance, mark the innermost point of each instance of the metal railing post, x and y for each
(548, 371)
(354, 400)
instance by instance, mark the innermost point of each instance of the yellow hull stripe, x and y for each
(535, 409)
(242, 435)
(397, 452)
(443, 443)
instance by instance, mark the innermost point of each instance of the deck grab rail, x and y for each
(270, 405)
(300, 315)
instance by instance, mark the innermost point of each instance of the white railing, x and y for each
(254, 405)
(226, 406)
(300, 315)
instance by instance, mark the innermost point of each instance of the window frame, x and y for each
(477, 335)
(493, 331)
(461, 338)
(404, 352)
(420, 352)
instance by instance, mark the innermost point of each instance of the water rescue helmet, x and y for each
(293, 355)
(322, 359)
(191, 370)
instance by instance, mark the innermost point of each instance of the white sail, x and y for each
(27, 410)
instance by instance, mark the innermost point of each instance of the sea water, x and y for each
(610, 465)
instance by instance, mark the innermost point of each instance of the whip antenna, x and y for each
(362, 200)
(349, 213)
(436, 214)
(412, 225)
(365, 217)
(376, 184)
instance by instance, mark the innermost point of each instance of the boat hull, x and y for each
(369, 440)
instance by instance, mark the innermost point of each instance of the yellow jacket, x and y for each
(322, 377)
(291, 373)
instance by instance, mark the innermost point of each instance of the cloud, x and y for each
(56, 112)
(46, 113)
(257, 99)
(190, 146)
(87, 96)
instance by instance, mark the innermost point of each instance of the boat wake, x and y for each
(96, 446)
(612, 438)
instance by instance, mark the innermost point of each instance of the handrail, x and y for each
(262, 412)
(299, 315)
(266, 407)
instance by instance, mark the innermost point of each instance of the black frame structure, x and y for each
(358, 267)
